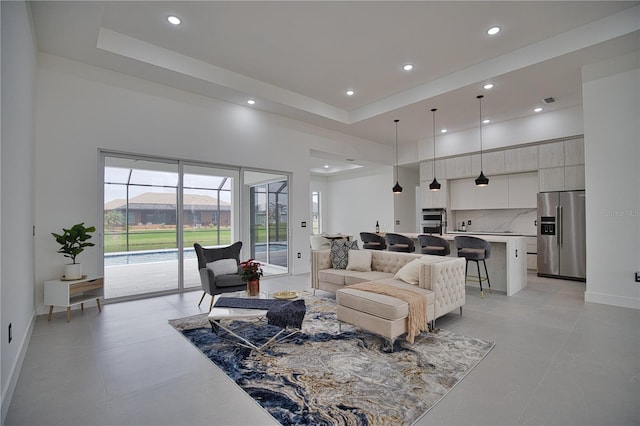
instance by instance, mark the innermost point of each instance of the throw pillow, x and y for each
(223, 267)
(410, 273)
(340, 253)
(359, 260)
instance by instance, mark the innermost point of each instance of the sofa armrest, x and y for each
(446, 278)
(320, 260)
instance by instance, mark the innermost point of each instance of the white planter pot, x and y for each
(72, 271)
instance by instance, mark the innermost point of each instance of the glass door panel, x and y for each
(208, 215)
(140, 218)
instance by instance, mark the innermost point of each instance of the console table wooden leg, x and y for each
(98, 303)
(50, 312)
(68, 313)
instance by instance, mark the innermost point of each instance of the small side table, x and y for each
(71, 293)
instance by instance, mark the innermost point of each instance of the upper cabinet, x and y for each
(433, 199)
(504, 191)
(523, 190)
(523, 159)
(561, 165)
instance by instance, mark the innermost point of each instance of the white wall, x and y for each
(405, 208)
(611, 98)
(357, 200)
(17, 209)
(82, 109)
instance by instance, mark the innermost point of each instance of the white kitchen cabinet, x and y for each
(551, 179)
(493, 162)
(433, 199)
(523, 159)
(574, 152)
(462, 194)
(493, 196)
(573, 178)
(532, 253)
(523, 190)
(458, 167)
(551, 155)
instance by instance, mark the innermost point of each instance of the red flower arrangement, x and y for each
(251, 270)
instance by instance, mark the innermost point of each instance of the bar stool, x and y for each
(397, 242)
(434, 245)
(373, 241)
(475, 249)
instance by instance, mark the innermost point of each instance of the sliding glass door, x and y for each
(269, 220)
(154, 211)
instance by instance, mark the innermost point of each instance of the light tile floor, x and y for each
(557, 360)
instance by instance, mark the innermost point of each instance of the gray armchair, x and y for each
(213, 284)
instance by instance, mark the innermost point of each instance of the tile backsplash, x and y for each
(517, 221)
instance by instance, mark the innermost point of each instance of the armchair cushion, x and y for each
(223, 267)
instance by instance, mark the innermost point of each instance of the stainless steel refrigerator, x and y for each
(561, 235)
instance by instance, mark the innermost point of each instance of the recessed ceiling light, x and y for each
(251, 101)
(488, 86)
(486, 121)
(407, 67)
(172, 19)
(350, 93)
(493, 30)
(326, 166)
(537, 109)
(443, 131)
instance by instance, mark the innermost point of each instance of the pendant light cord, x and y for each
(434, 141)
(396, 121)
(480, 101)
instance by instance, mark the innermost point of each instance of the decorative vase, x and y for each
(253, 287)
(72, 271)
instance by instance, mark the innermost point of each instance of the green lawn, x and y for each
(154, 239)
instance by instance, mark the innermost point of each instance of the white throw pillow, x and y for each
(223, 267)
(359, 260)
(410, 273)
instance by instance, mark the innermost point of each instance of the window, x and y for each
(316, 228)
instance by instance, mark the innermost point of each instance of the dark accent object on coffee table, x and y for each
(282, 313)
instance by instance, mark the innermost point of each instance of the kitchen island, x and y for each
(507, 265)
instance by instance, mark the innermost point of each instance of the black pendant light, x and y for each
(435, 185)
(481, 180)
(397, 189)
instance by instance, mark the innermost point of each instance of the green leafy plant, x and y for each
(251, 270)
(74, 240)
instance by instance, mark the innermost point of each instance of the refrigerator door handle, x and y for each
(560, 225)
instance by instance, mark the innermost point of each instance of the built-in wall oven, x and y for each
(434, 221)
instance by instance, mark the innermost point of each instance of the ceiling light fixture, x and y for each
(488, 86)
(174, 20)
(537, 109)
(435, 185)
(350, 93)
(486, 121)
(251, 101)
(407, 67)
(326, 166)
(493, 30)
(443, 131)
(481, 180)
(397, 189)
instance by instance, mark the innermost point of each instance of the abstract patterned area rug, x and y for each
(324, 376)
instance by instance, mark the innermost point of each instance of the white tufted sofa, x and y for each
(441, 279)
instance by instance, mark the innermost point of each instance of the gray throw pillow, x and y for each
(340, 253)
(223, 267)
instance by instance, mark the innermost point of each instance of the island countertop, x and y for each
(507, 265)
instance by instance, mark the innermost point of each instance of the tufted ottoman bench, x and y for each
(379, 313)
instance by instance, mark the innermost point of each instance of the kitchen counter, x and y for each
(507, 265)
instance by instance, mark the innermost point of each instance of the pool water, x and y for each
(137, 257)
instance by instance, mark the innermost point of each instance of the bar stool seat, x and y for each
(433, 245)
(397, 242)
(373, 241)
(476, 250)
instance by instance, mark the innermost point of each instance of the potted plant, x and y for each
(73, 241)
(251, 273)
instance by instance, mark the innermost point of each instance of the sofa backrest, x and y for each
(390, 261)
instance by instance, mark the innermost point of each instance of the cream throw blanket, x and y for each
(417, 318)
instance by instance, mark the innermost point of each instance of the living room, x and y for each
(58, 113)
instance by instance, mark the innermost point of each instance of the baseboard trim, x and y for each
(7, 391)
(608, 299)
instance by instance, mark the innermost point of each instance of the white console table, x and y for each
(71, 293)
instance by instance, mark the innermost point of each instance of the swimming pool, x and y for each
(151, 256)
